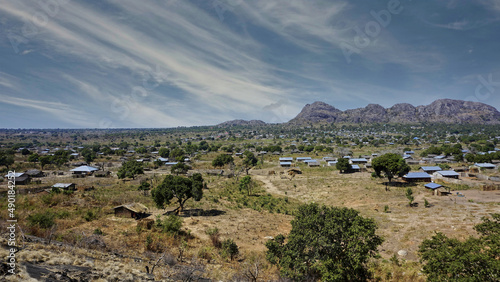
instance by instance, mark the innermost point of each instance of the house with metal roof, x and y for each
(302, 159)
(430, 169)
(285, 164)
(447, 174)
(84, 169)
(358, 161)
(286, 159)
(355, 168)
(332, 163)
(312, 163)
(417, 177)
(65, 186)
(432, 186)
(485, 165)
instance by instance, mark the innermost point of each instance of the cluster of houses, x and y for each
(327, 161)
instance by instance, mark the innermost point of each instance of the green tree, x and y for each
(60, 158)
(180, 168)
(229, 248)
(44, 160)
(325, 243)
(6, 159)
(222, 160)
(33, 158)
(177, 153)
(180, 188)
(88, 154)
(249, 161)
(343, 165)
(391, 164)
(164, 152)
(246, 184)
(476, 259)
(25, 152)
(130, 169)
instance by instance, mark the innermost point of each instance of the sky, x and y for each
(169, 63)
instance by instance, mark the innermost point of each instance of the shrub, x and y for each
(386, 209)
(42, 220)
(90, 215)
(229, 248)
(98, 231)
(172, 224)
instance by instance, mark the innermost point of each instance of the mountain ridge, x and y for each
(439, 111)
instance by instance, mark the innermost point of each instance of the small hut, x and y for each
(134, 210)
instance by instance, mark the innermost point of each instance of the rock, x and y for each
(402, 253)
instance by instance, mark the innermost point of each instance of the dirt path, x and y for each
(270, 187)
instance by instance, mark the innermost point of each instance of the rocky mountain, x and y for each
(439, 111)
(240, 122)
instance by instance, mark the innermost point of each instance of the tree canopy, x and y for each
(391, 164)
(325, 243)
(180, 188)
(249, 160)
(343, 165)
(130, 169)
(476, 259)
(222, 160)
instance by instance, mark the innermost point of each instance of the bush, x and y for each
(98, 231)
(172, 224)
(90, 215)
(229, 248)
(42, 220)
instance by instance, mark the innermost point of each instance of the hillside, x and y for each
(240, 122)
(439, 111)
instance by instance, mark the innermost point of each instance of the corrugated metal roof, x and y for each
(417, 175)
(448, 173)
(85, 168)
(62, 185)
(485, 165)
(432, 185)
(430, 168)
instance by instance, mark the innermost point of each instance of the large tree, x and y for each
(249, 160)
(391, 164)
(476, 259)
(325, 243)
(130, 169)
(343, 165)
(178, 187)
(222, 160)
(6, 159)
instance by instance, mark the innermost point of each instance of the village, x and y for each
(96, 205)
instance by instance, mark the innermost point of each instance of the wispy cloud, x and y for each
(59, 110)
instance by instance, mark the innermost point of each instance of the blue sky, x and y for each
(126, 63)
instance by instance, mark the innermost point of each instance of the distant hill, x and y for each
(240, 122)
(439, 111)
